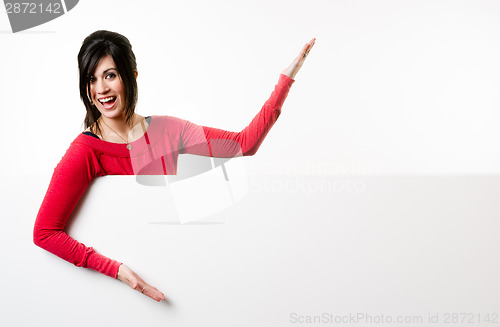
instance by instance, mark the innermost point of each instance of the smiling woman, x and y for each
(108, 68)
(111, 81)
(108, 89)
(107, 95)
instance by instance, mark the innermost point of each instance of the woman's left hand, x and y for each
(294, 67)
(129, 277)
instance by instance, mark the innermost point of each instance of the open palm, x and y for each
(294, 67)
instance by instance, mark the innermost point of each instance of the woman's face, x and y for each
(107, 91)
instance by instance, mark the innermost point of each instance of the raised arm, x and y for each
(214, 142)
(70, 178)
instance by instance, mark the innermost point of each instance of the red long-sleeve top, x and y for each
(155, 153)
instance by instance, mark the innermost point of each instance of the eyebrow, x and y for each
(104, 72)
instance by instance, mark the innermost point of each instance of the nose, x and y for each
(101, 87)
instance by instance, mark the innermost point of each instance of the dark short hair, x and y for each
(96, 46)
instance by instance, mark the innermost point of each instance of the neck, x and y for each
(116, 128)
(117, 124)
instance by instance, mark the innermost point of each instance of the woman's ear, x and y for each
(136, 73)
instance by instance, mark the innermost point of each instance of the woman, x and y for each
(118, 141)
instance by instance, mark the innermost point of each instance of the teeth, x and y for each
(106, 99)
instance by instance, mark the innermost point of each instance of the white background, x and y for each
(398, 97)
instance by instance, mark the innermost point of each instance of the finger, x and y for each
(146, 290)
(311, 43)
(159, 296)
(140, 287)
(304, 48)
(306, 52)
(154, 294)
(309, 46)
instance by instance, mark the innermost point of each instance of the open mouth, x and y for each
(108, 102)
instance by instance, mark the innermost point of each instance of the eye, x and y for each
(111, 75)
(92, 79)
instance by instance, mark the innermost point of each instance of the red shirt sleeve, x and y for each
(70, 178)
(214, 142)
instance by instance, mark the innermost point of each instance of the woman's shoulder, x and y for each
(79, 152)
(168, 121)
